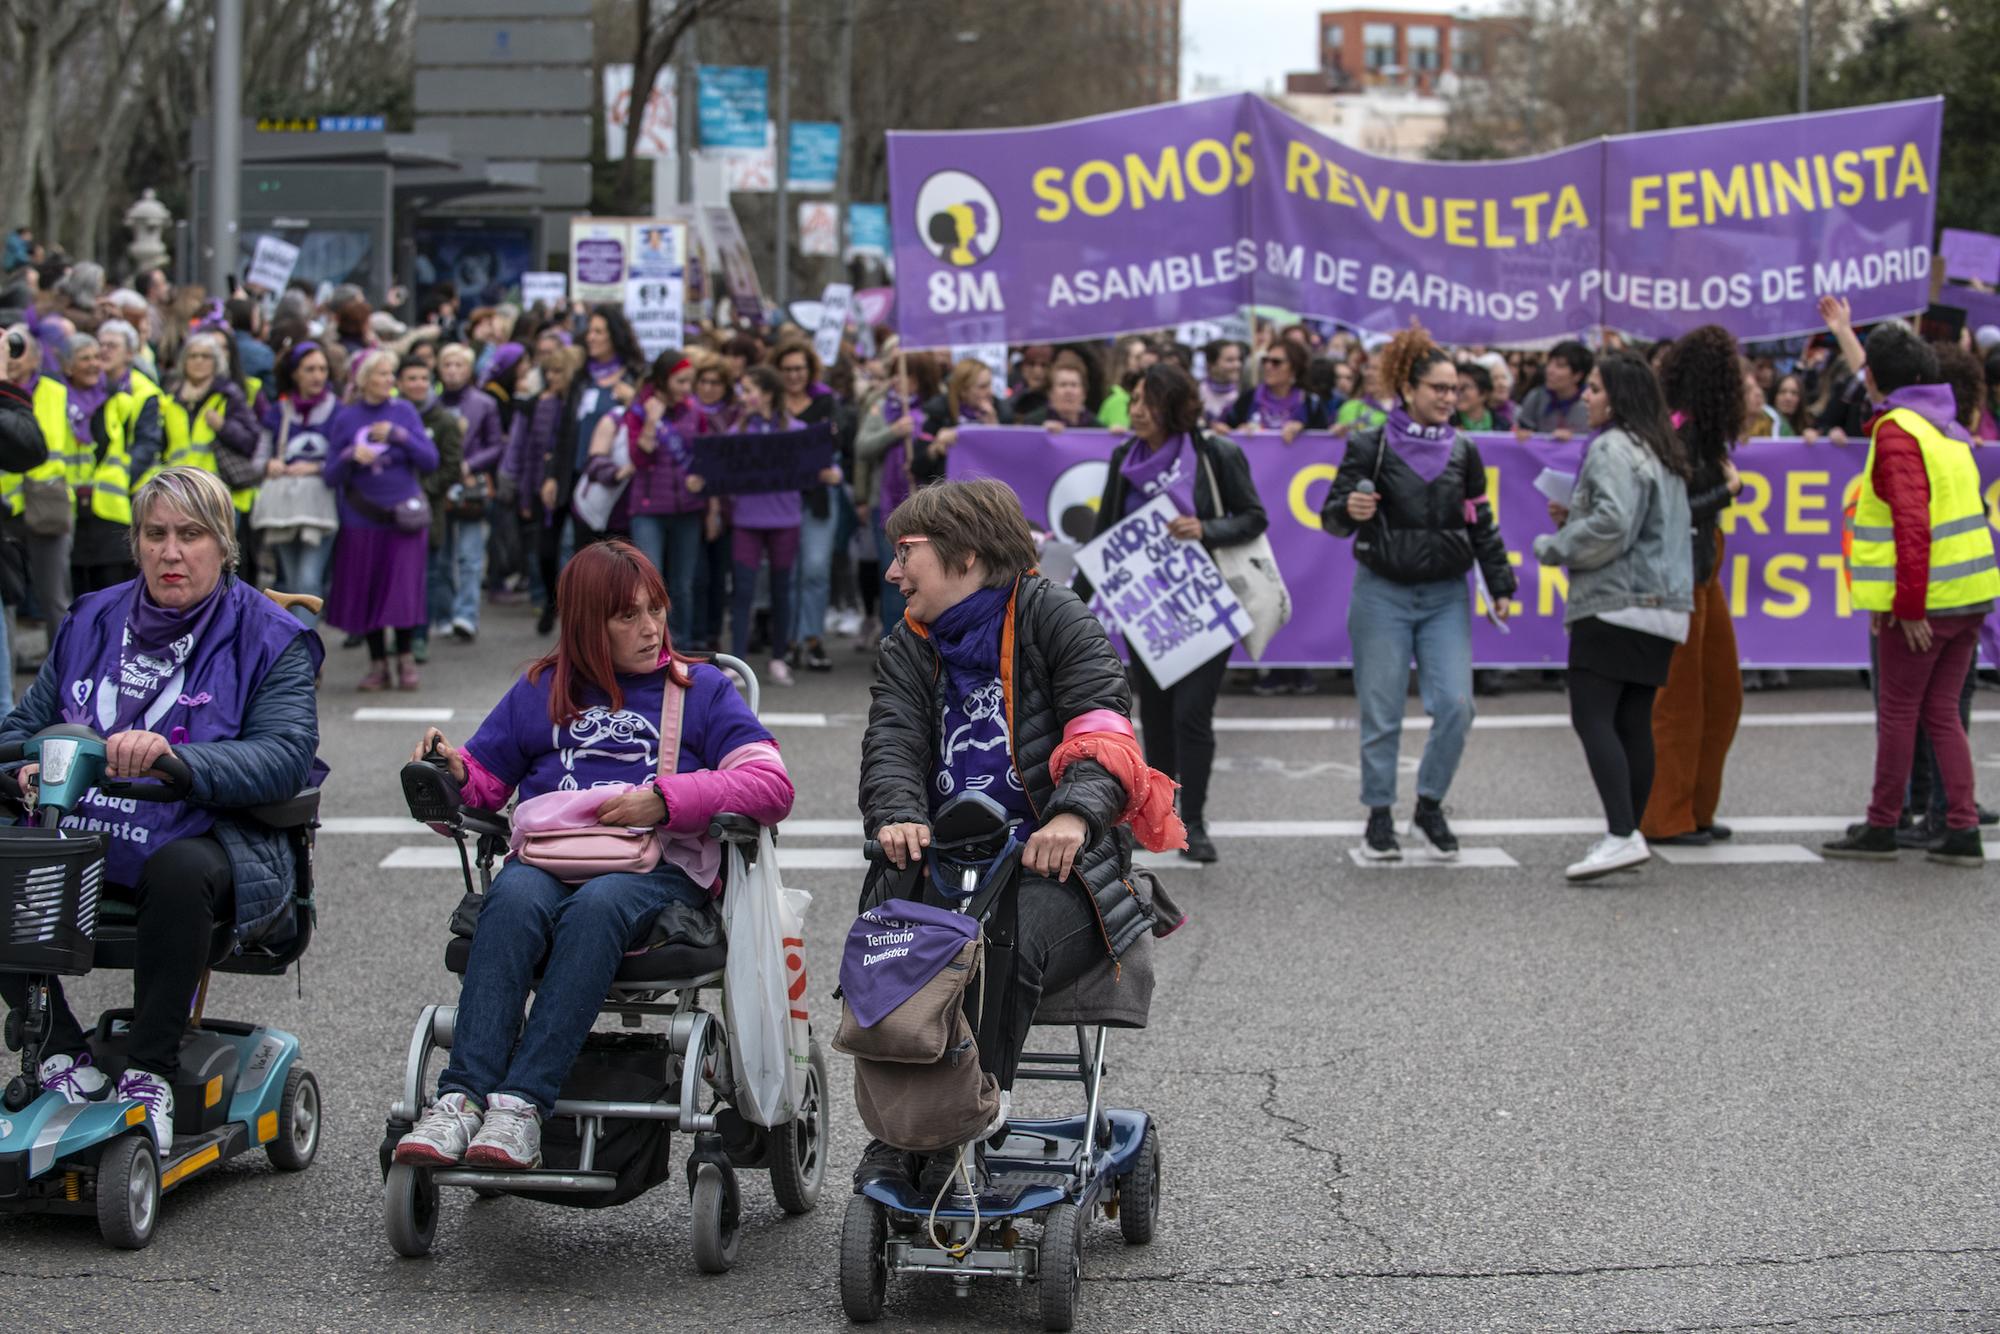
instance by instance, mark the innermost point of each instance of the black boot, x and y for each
(1200, 847)
(1958, 847)
(1865, 842)
(885, 1164)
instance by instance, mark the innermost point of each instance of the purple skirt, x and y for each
(378, 579)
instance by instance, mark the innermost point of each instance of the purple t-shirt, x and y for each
(976, 754)
(518, 744)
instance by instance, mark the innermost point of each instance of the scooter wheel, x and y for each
(1059, 1266)
(298, 1123)
(1139, 1192)
(410, 1210)
(798, 1149)
(128, 1191)
(864, 1269)
(715, 1222)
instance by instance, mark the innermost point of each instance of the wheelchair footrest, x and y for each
(580, 1182)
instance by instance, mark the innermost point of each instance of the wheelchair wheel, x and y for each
(128, 1191)
(864, 1272)
(298, 1123)
(1139, 1192)
(410, 1210)
(715, 1222)
(1059, 1262)
(798, 1151)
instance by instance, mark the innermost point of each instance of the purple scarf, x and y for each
(893, 950)
(1218, 397)
(1273, 412)
(1426, 449)
(975, 751)
(604, 370)
(83, 405)
(152, 657)
(1166, 471)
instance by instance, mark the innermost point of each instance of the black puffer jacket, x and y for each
(1062, 668)
(21, 443)
(1422, 531)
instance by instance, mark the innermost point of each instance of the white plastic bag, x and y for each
(792, 917)
(757, 1006)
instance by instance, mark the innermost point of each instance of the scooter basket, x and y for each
(49, 887)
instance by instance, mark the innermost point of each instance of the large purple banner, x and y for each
(1196, 210)
(1782, 563)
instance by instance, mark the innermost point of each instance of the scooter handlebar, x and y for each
(179, 782)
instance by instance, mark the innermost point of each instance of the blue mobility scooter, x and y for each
(606, 1141)
(1060, 1170)
(241, 1086)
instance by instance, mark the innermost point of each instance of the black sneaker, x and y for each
(816, 659)
(1958, 847)
(1717, 832)
(1379, 843)
(1864, 842)
(1200, 847)
(1915, 833)
(1430, 822)
(546, 622)
(1987, 815)
(354, 641)
(942, 1168)
(882, 1163)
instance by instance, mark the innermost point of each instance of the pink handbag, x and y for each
(558, 832)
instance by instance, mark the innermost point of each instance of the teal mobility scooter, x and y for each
(241, 1086)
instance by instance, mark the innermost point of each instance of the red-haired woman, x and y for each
(586, 718)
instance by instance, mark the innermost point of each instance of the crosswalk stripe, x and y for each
(432, 714)
(1519, 722)
(1738, 854)
(1468, 859)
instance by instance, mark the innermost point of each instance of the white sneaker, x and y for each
(76, 1078)
(157, 1097)
(781, 672)
(1611, 853)
(510, 1139)
(847, 624)
(443, 1135)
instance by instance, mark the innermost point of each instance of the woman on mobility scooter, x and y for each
(999, 681)
(584, 719)
(187, 661)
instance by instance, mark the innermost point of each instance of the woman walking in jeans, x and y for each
(667, 514)
(1412, 494)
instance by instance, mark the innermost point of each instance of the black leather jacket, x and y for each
(1422, 531)
(1242, 518)
(1708, 497)
(1062, 668)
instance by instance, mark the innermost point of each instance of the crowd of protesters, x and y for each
(408, 475)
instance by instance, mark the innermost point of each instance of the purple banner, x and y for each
(1781, 566)
(1193, 211)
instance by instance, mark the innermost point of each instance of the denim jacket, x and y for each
(1626, 540)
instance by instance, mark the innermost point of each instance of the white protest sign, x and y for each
(544, 288)
(993, 355)
(1164, 595)
(272, 264)
(656, 285)
(834, 304)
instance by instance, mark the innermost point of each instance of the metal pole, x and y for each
(226, 147)
(685, 141)
(1632, 71)
(843, 113)
(782, 140)
(1805, 53)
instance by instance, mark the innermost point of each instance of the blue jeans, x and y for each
(673, 543)
(468, 551)
(302, 565)
(437, 586)
(583, 931)
(892, 596)
(1387, 623)
(815, 568)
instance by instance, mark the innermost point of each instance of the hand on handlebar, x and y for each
(903, 843)
(25, 778)
(435, 746)
(1053, 848)
(133, 754)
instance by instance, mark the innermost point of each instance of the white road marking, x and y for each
(793, 719)
(1515, 722)
(368, 824)
(418, 715)
(430, 857)
(1737, 854)
(1413, 860)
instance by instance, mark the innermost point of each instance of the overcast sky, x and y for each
(1252, 44)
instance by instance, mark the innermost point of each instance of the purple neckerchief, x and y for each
(604, 370)
(1165, 471)
(1426, 449)
(893, 950)
(967, 637)
(1218, 397)
(153, 655)
(1934, 403)
(84, 403)
(1273, 412)
(969, 415)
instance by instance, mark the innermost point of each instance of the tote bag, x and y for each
(1251, 571)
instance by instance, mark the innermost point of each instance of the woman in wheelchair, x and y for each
(192, 662)
(586, 717)
(1000, 681)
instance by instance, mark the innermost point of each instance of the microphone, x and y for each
(1365, 486)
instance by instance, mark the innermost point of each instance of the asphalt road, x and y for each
(1738, 1096)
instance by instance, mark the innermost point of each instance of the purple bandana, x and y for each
(1166, 471)
(893, 949)
(1934, 403)
(1218, 397)
(1426, 449)
(152, 658)
(604, 370)
(83, 405)
(1273, 412)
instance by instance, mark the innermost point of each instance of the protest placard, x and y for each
(1164, 595)
(544, 288)
(272, 263)
(835, 303)
(734, 465)
(1974, 255)
(597, 258)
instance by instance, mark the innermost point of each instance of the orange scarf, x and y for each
(1149, 800)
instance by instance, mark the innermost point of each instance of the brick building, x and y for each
(1360, 49)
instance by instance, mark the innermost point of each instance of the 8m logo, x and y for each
(959, 221)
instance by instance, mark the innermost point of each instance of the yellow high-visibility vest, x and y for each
(111, 480)
(51, 403)
(1963, 569)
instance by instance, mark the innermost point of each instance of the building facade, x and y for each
(1424, 53)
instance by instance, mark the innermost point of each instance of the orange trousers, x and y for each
(1695, 716)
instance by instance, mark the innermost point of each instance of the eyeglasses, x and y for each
(1277, 361)
(1439, 386)
(904, 547)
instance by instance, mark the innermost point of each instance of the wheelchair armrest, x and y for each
(294, 812)
(486, 824)
(730, 827)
